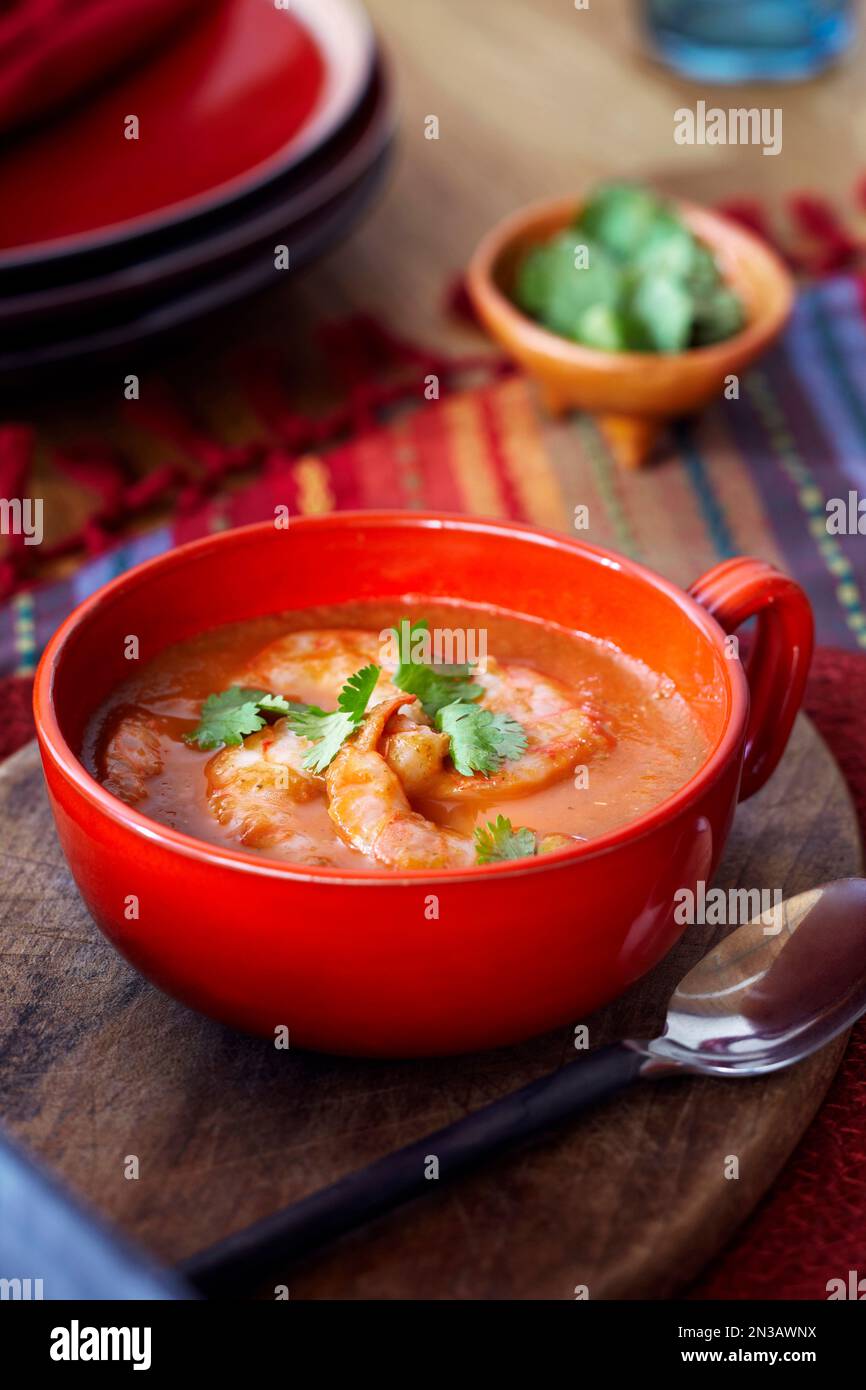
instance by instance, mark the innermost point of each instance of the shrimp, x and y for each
(371, 811)
(414, 750)
(315, 665)
(130, 755)
(254, 787)
(553, 841)
(559, 735)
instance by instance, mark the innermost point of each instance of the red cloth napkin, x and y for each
(812, 1225)
(51, 50)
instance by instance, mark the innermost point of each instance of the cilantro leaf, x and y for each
(498, 841)
(435, 686)
(481, 741)
(228, 717)
(275, 704)
(355, 694)
(328, 731)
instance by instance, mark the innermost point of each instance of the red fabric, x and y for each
(834, 248)
(51, 50)
(754, 217)
(820, 242)
(458, 303)
(377, 371)
(812, 1226)
(16, 726)
(16, 453)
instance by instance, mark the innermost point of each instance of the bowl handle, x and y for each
(778, 661)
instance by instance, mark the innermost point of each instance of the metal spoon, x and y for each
(772, 993)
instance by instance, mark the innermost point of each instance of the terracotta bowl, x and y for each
(354, 961)
(634, 394)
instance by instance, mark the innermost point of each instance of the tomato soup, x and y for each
(556, 735)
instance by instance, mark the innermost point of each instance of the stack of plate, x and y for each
(257, 127)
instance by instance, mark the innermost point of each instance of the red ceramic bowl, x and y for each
(352, 962)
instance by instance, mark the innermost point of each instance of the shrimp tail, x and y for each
(370, 809)
(373, 725)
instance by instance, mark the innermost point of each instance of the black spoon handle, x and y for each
(245, 1258)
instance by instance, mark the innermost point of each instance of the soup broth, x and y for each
(643, 744)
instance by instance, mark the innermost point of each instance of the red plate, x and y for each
(239, 98)
(121, 279)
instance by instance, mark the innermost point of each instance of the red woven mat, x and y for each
(812, 1226)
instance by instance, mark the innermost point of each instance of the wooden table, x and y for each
(629, 1200)
(533, 98)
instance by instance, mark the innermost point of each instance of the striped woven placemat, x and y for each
(754, 475)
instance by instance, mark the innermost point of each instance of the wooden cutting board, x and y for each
(631, 1200)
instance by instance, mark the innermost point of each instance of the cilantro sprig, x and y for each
(499, 841)
(481, 741)
(328, 731)
(227, 718)
(435, 686)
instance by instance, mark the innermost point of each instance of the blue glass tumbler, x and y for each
(733, 41)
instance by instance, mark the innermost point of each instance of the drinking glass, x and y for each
(748, 40)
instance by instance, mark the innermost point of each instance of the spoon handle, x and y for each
(241, 1260)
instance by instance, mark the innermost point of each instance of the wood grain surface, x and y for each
(631, 1200)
